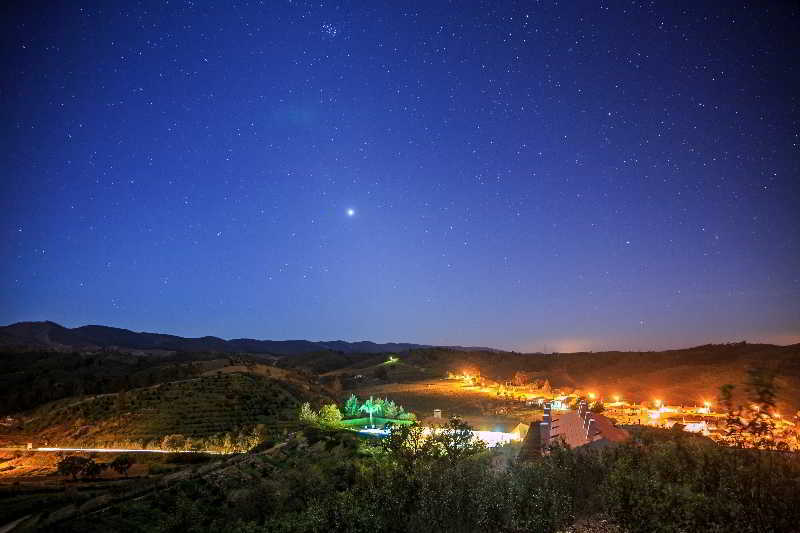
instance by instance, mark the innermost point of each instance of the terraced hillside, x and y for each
(30, 378)
(202, 409)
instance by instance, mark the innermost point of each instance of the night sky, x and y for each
(525, 175)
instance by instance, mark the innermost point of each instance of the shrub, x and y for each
(174, 442)
(329, 416)
(307, 415)
(121, 464)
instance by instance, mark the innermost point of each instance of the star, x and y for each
(351, 212)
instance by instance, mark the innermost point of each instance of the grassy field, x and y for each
(377, 421)
(481, 409)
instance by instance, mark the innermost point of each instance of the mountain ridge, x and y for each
(50, 334)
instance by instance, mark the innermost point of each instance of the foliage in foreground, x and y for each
(331, 481)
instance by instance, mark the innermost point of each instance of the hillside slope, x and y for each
(685, 376)
(231, 400)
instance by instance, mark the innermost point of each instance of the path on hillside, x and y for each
(110, 450)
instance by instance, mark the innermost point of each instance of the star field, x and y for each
(524, 175)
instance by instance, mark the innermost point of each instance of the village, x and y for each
(534, 399)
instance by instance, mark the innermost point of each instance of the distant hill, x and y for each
(54, 336)
(687, 376)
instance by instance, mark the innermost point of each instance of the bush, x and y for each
(121, 464)
(173, 442)
(329, 416)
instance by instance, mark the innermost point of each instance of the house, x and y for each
(574, 429)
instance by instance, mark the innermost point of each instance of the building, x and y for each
(521, 430)
(574, 429)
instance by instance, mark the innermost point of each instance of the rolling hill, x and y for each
(676, 376)
(224, 399)
(686, 376)
(51, 335)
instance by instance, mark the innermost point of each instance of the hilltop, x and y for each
(51, 335)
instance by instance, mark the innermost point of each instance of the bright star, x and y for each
(351, 212)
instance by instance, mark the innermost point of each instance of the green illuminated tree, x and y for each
(372, 406)
(390, 409)
(352, 406)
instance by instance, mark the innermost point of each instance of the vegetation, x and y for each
(371, 406)
(121, 464)
(328, 416)
(75, 465)
(31, 378)
(753, 424)
(314, 475)
(411, 445)
(327, 480)
(212, 412)
(352, 406)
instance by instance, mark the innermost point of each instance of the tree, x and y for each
(174, 442)
(390, 409)
(381, 403)
(371, 406)
(72, 465)
(753, 424)
(93, 469)
(329, 416)
(308, 415)
(121, 464)
(408, 445)
(762, 392)
(411, 445)
(352, 406)
(457, 441)
(257, 435)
